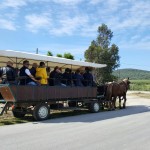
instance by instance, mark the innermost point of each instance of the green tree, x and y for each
(59, 55)
(68, 56)
(104, 36)
(101, 52)
(49, 53)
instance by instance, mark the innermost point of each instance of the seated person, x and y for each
(33, 69)
(78, 78)
(66, 77)
(8, 74)
(88, 77)
(48, 70)
(55, 77)
(25, 73)
(41, 72)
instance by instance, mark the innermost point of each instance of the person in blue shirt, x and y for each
(66, 77)
(88, 77)
(78, 78)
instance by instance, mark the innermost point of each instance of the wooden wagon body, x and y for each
(26, 99)
(18, 93)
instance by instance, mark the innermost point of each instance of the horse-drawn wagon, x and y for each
(38, 100)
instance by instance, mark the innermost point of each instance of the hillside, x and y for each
(133, 74)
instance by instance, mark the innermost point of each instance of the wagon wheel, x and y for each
(41, 112)
(18, 112)
(94, 107)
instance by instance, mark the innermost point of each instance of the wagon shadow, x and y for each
(94, 117)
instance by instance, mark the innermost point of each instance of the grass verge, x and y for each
(8, 119)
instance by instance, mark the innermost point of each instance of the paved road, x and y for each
(127, 129)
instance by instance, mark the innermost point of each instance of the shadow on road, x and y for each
(93, 117)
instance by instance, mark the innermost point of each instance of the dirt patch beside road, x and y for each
(142, 94)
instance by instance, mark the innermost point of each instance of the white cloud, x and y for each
(120, 16)
(5, 24)
(13, 3)
(145, 39)
(67, 2)
(135, 38)
(134, 46)
(94, 2)
(36, 22)
(69, 26)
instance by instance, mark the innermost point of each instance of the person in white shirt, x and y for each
(25, 72)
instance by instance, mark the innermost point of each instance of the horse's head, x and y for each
(127, 82)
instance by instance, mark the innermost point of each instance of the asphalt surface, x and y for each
(125, 129)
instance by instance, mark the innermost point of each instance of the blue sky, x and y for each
(70, 26)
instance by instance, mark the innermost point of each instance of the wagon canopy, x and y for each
(18, 57)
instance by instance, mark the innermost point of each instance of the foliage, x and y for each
(133, 74)
(68, 56)
(59, 55)
(140, 79)
(104, 36)
(101, 52)
(49, 53)
(140, 85)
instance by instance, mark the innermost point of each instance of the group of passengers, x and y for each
(41, 75)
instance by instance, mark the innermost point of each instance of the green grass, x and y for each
(141, 81)
(140, 85)
(8, 119)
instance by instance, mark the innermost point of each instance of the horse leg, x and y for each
(113, 103)
(119, 102)
(124, 103)
(109, 101)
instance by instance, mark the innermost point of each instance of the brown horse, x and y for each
(115, 90)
